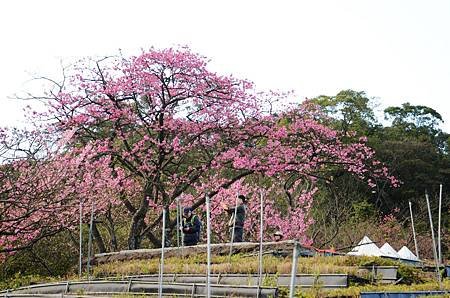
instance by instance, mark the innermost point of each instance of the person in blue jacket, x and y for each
(191, 227)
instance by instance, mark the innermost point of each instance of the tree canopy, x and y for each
(142, 132)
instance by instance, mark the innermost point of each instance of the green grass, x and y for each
(354, 291)
(20, 280)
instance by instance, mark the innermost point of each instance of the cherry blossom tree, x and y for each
(146, 130)
(40, 195)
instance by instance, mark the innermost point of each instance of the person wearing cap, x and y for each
(190, 227)
(278, 236)
(238, 222)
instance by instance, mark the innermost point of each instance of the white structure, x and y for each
(366, 247)
(406, 254)
(388, 251)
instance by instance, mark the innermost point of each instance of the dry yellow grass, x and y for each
(220, 264)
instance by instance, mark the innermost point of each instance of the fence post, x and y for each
(182, 233)
(439, 226)
(178, 222)
(208, 235)
(232, 231)
(90, 248)
(434, 242)
(294, 270)
(80, 264)
(261, 230)
(161, 265)
(414, 231)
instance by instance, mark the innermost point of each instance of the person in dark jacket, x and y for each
(191, 227)
(238, 222)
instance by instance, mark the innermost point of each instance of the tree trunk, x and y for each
(98, 238)
(111, 230)
(138, 221)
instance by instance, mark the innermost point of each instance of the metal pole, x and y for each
(90, 248)
(434, 242)
(261, 230)
(439, 226)
(414, 231)
(294, 270)
(208, 232)
(178, 223)
(80, 265)
(161, 265)
(232, 232)
(182, 233)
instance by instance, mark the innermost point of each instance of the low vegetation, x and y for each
(249, 265)
(412, 278)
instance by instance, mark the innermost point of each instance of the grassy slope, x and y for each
(416, 279)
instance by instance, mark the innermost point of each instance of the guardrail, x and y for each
(329, 281)
(132, 286)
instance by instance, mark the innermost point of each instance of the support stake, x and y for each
(434, 242)
(80, 265)
(208, 234)
(261, 230)
(414, 231)
(294, 270)
(161, 265)
(178, 223)
(232, 231)
(439, 226)
(90, 248)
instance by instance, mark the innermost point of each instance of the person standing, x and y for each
(238, 222)
(190, 227)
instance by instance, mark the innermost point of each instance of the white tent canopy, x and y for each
(406, 254)
(365, 247)
(388, 251)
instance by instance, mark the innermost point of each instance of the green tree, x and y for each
(413, 147)
(350, 111)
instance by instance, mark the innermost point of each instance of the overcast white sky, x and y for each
(394, 50)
